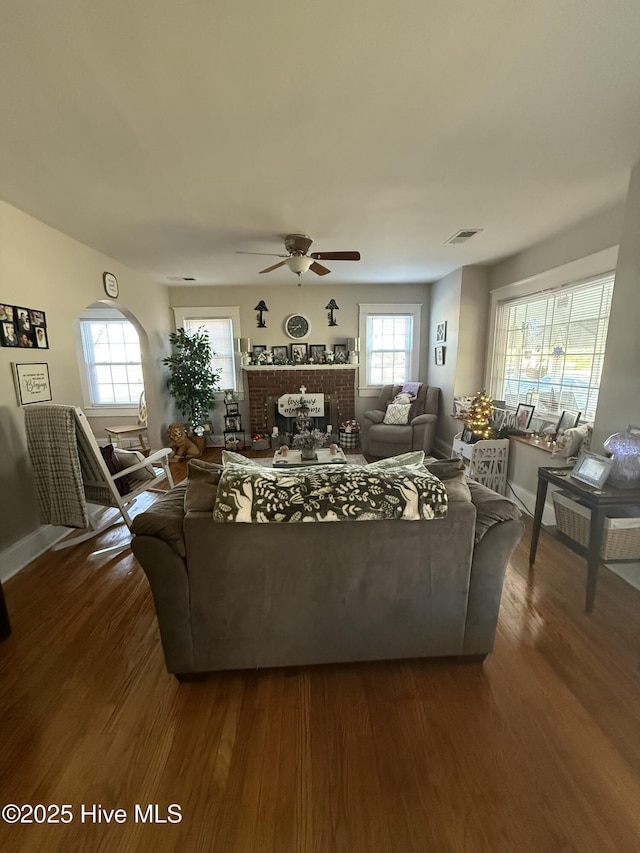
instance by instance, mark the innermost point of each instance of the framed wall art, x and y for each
(23, 327)
(32, 382)
(440, 356)
(316, 352)
(441, 332)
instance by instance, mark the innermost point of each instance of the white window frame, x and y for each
(107, 410)
(226, 312)
(369, 309)
(581, 271)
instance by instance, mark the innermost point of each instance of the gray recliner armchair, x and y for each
(382, 440)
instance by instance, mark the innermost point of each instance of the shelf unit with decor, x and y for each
(485, 461)
(233, 437)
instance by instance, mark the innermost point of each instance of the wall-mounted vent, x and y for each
(463, 236)
(181, 278)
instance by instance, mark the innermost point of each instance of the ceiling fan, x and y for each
(297, 259)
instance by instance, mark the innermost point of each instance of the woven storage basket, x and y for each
(349, 440)
(621, 539)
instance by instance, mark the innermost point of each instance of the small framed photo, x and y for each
(22, 319)
(440, 356)
(524, 413)
(37, 318)
(467, 435)
(567, 421)
(340, 354)
(497, 419)
(316, 352)
(42, 341)
(441, 332)
(6, 314)
(8, 335)
(32, 382)
(232, 423)
(280, 354)
(298, 353)
(256, 350)
(340, 348)
(207, 426)
(592, 469)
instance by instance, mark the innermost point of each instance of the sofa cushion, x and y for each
(452, 474)
(397, 413)
(491, 508)
(321, 493)
(164, 519)
(446, 469)
(202, 486)
(231, 458)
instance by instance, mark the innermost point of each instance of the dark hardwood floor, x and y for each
(537, 749)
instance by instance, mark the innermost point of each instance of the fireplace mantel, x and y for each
(284, 367)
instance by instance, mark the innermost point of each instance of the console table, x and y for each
(603, 503)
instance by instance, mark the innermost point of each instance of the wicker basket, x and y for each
(261, 443)
(621, 539)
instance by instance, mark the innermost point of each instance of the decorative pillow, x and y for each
(570, 442)
(396, 414)
(231, 458)
(412, 459)
(327, 494)
(164, 519)
(375, 416)
(491, 508)
(127, 458)
(202, 486)
(114, 467)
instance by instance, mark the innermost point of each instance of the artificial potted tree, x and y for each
(192, 382)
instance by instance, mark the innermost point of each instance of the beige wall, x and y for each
(619, 399)
(462, 299)
(42, 268)
(309, 299)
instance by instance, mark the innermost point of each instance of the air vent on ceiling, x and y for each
(181, 278)
(463, 236)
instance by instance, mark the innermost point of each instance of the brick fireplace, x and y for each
(264, 382)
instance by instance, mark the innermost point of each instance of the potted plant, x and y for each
(308, 442)
(192, 382)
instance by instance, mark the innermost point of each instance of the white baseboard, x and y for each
(21, 553)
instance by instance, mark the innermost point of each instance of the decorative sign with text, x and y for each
(288, 404)
(32, 382)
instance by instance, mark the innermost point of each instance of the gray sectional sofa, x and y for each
(235, 596)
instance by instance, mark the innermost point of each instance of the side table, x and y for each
(603, 503)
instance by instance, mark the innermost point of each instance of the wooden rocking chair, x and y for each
(70, 472)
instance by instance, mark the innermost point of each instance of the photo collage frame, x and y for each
(23, 327)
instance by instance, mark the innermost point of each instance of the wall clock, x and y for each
(297, 326)
(110, 283)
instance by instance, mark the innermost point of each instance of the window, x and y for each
(549, 348)
(113, 362)
(391, 334)
(220, 325)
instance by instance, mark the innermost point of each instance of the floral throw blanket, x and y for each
(318, 493)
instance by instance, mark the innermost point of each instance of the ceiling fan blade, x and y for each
(270, 254)
(274, 267)
(336, 256)
(319, 269)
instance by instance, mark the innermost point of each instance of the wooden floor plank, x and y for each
(537, 749)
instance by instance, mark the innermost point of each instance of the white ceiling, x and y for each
(169, 135)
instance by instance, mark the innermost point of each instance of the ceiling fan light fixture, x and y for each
(299, 264)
